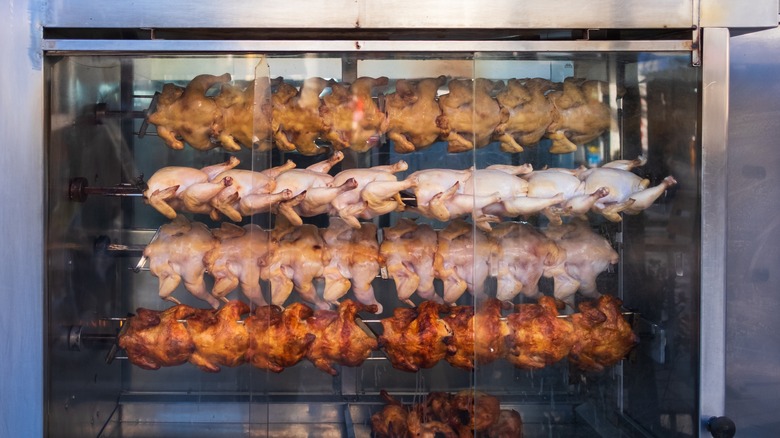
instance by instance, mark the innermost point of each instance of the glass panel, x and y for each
(429, 185)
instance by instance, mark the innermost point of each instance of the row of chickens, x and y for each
(531, 337)
(293, 257)
(440, 414)
(487, 195)
(471, 114)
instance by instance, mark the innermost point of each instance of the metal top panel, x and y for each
(348, 14)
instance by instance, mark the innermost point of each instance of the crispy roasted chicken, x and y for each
(278, 338)
(220, 337)
(414, 338)
(603, 337)
(537, 337)
(476, 337)
(158, 339)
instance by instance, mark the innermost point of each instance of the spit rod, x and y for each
(79, 189)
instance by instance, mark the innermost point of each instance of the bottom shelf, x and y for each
(138, 419)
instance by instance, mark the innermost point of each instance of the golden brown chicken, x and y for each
(338, 339)
(391, 421)
(414, 338)
(220, 337)
(278, 338)
(476, 410)
(470, 115)
(296, 117)
(476, 337)
(603, 337)
(353, 118)
(509, 425)
(580, 115)
(529, 113)
(156, 339)
(412, 112)
(537, 336)
(187, 114)
(419, 427)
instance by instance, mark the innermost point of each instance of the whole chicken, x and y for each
(408, 250)
(177, 255)
(523, 255)
(462, 259)
(299, 258)
(587, 255)
(436, 186)
(377, 192)
(422, 428)
(476, 337)
(278, 338)
(354, 254)
(414, 338)
(477, 411)
(627, 192)
(537, 337)
(603, 337)
(580, 114)
(158, 339)
(577, 201)
(529, 113)
(353, 118)
(186, 189)
(188, 114)
(237, 258)
(412, 111)
(470, 114)
(312, 189)
(296, 117)
(249, 192)
(338, 339)
(391, 421)
(509, 425)
(220, 337)
(247, 115)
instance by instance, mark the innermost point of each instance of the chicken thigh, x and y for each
(186, 189)
(177, 254)
(412, 112)
(408, 250)
(353, 118)
(188, 114)
(470, 114)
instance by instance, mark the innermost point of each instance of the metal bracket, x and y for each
(696, 47)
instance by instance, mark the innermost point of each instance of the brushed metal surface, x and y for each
(21, 219)
(753, 237)
(346, 14)
(738, 13)
(715, 118)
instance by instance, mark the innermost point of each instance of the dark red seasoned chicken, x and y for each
(509, 425)
(220, 337)
(188, 115)
(278, 339)
(414, 338)
(537, 336)
(158, 339)
(338, 339)
(476, 337)
(603, 337)
(391, 421)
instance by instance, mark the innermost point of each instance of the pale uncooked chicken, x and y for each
(435, 186)
(523, 256)
(587, 255)
(580, 114)
(628, 192)
(577, 201)
(354, 255)
(236, 260)
(408, 250)
(353, 118)
(412, 112)
(176, 255)
(529, 113)
(186, 189)
(296, 262)
(312, 189)
(296, 117)
(470, 114)
(377, 192)
(462, 259)
(188, 115)
(249, 192)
